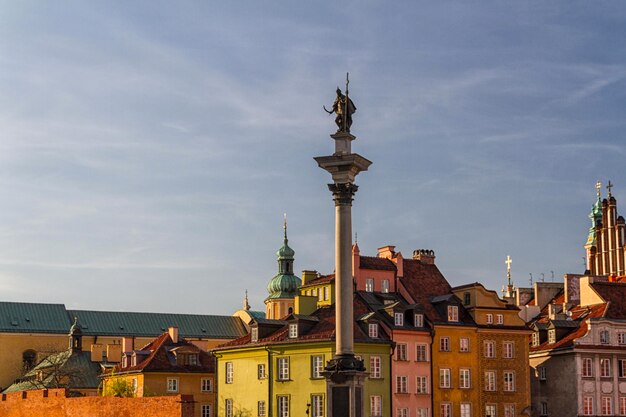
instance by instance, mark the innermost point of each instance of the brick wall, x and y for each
(55, 403)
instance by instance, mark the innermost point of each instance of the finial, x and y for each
(531, 278)
(508, 263)
(598, 188)
(356, 238)
(285, 225)
(608, 187)
(552, 272)
(543, 277)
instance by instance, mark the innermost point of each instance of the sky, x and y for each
(149, 149)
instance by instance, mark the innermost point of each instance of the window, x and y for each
(191, 359)
(542, 373)
(587, 367)
(464, 344)
(283, 406)
(421, 352)
(509, 410)
(509, 381)
(605, 367)
(588, 406)
(283, 369)
(490, 380)
(317, 366)
(320, 295)
(398, 319)
(317, 405)
(421, 384)
(205, 410)
(536, 339)
(621, 338)
(369, 285)
(604, 337)
(445, 410)
(402, 412)
(260, 406)
(467, 299)
(499, 319)
(622, 406)
(326, 293)
(551, 336)
(543, 409)
(402, 384)
(254, 334)
(419, 320)
(490, 349)
(206, 385)
(133, 383)
(293, 331)
(607, 406)
(490, 410)
(622, 368)
(508, 350)
(453, 313)
(229, 373)
(376, 406)
(422, 412)
(489, 318)
(260, 371)
(373, 330)
(172, 384)
(465, 378)
(228, 407)
(466, 410)
(444, 378)
(375, 367)
(384, 285)
(401, 352)
(444, 344)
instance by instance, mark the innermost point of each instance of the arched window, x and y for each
(29, 357)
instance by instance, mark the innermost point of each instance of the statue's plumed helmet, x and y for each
(338, 90)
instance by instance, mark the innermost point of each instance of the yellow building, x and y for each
(169, 365)
(276, 369)
(501, 348)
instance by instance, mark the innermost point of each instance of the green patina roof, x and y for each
(595, 216)
(77, 366)
(284, 284)
(153, 324)
(33, 318)
(54, 318)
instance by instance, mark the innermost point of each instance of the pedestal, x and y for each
(344, 386)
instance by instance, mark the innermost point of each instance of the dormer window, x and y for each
(604, 337)
(552, 336)
(467, 298)
(293, 330)
(133, 361)
(419, 320)
(125, 361)
(254, 334)
(192, 359)
(373, 330)
(384, 285)
(398, 319)
(536, 339)
(453, 313)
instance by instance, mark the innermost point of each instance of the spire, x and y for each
(76, 336)
(508, 263)
(608, 187)
(285, 227)
(246, 304)
(284, 284)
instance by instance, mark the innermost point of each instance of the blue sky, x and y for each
(148, 150)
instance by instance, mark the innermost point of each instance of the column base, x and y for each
(344, 386)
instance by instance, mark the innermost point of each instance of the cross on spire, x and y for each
(598, 188)
(508, 263)
(609, 186)
(285, 225)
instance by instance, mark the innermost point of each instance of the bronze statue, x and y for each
(343, 107)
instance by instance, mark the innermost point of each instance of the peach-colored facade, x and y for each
(416, 368)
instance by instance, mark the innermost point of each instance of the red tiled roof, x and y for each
(161, 360)
(614, 293)
(324, 279)
(578, 313)
(423, 281)
(374, 262)
(323, 330)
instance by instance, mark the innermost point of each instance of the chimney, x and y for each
(387, 252)
(173, 331)
(308, 276)
(426, 256)
(128, 344)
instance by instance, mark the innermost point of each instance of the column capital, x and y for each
(343, 193)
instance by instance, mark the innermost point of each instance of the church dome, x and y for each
(284, 284)
(285, 252)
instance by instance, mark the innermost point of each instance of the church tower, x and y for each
(284, 286)
(605, 250)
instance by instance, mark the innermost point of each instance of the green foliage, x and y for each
(118, 387)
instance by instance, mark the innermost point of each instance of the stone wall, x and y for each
(55, 403)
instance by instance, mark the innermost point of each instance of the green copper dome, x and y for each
(596, 217)
(284, 284)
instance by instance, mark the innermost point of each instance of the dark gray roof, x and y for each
(34, 318)
(117, 323)
(570, 324)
